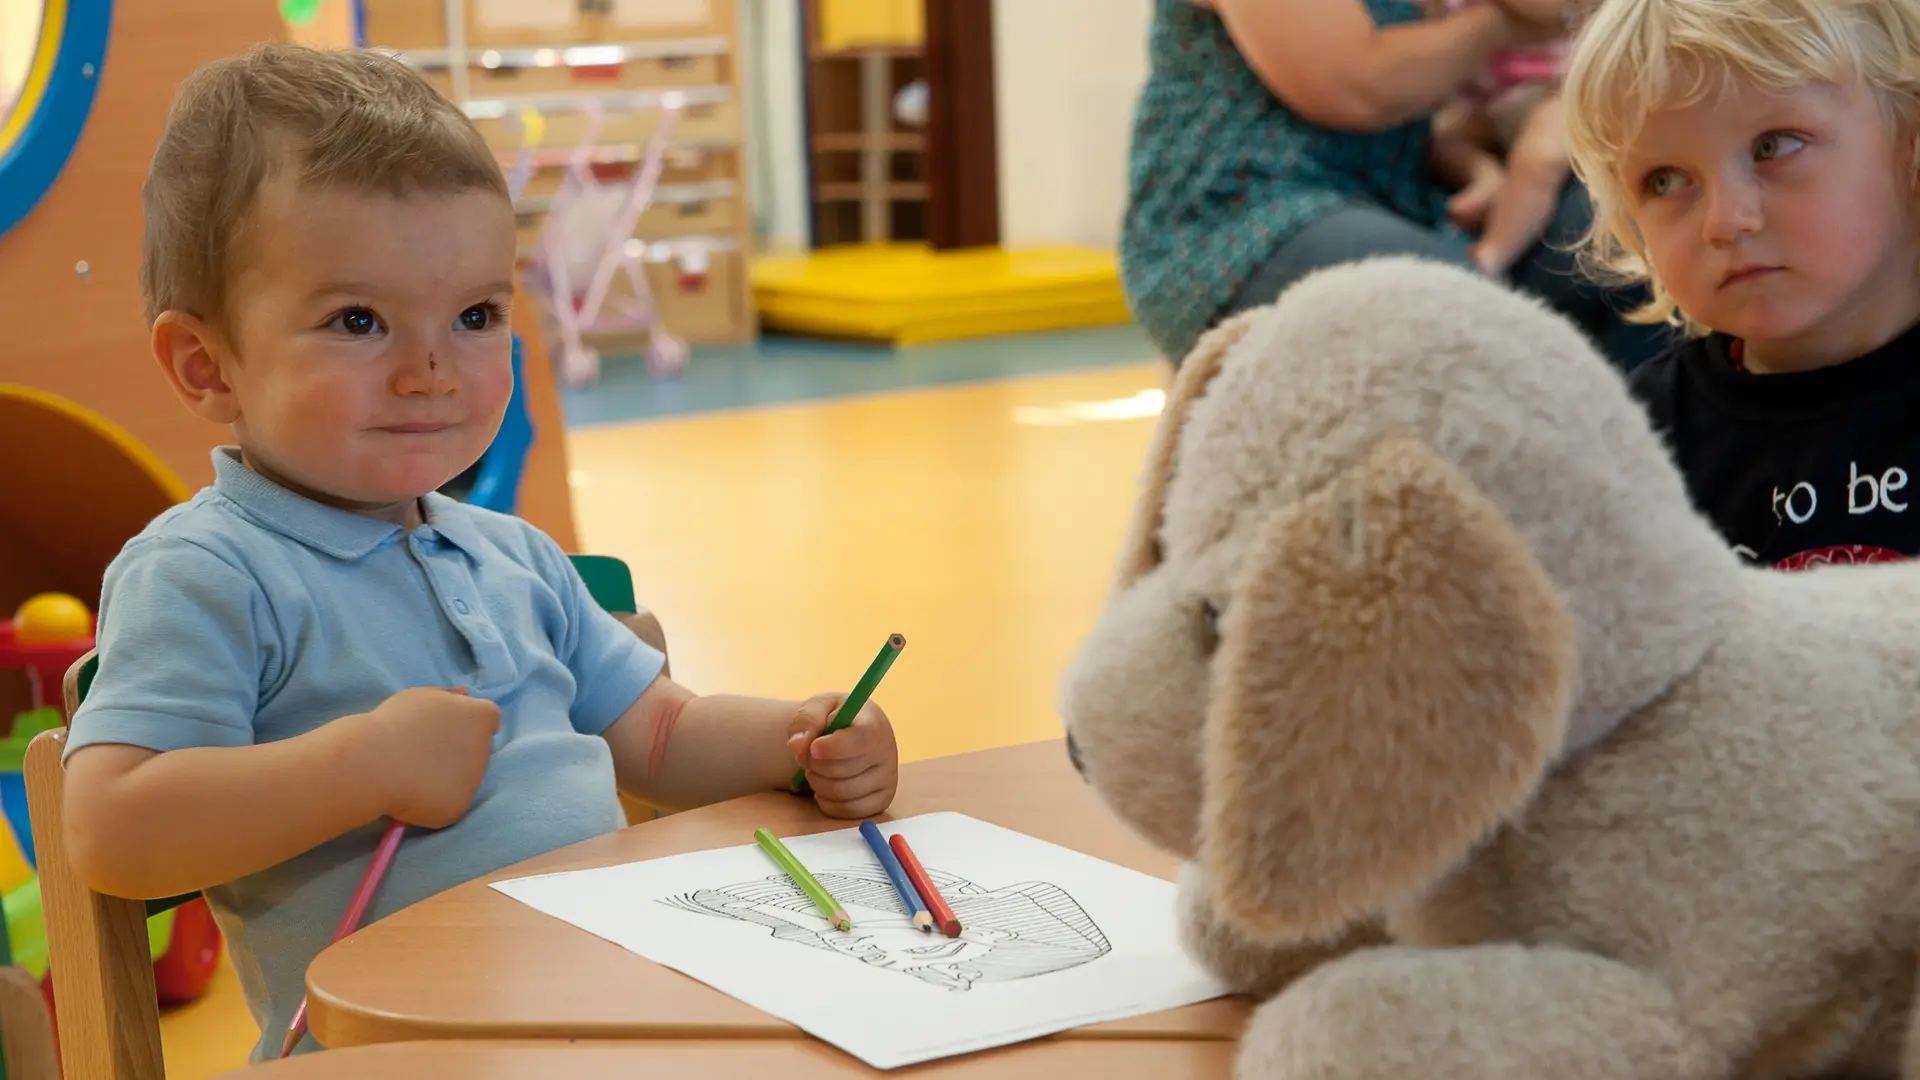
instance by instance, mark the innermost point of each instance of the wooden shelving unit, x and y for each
(868, 174)
(504, 60)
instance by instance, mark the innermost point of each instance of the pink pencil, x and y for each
(356, 910)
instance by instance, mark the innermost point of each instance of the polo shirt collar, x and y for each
(339, 533)
(452, 519)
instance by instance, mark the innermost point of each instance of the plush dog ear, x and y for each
(1140, 551)
(1393, 678)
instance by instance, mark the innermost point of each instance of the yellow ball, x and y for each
(51, 617)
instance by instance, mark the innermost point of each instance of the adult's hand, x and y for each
(1330, 63)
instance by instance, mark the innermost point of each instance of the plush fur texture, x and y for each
(1489, 759)
(1393, 676)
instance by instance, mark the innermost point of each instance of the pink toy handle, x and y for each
(652, 164)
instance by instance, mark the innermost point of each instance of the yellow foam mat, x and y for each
(909, 294)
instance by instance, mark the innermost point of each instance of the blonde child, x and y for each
(319, 641)
(1504, 141)
(1755, 162)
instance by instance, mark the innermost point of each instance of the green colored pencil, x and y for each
(857, 700)
(815, 891)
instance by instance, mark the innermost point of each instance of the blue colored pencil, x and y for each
(922, 921)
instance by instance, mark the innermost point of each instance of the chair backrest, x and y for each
(102, 968)
(611, 583)
(104, 998)
(496, 483)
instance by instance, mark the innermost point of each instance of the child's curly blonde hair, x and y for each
(1636, 56)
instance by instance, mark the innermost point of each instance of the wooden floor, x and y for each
(781, 545)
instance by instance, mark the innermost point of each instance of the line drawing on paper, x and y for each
(1007, 934)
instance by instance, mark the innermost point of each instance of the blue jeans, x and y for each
(1547, 271)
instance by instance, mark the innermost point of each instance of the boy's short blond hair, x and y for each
(352, 118)
(1636, 56)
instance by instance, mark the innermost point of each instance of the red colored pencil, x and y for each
(936, 904)
(349, 922)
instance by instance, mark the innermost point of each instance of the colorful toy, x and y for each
(49, 633)
(15, 869)
(51, 618)
(185, 943)
(46, 636)
(588, 238)
(16, 845)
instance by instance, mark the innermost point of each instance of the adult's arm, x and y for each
(1329, 62)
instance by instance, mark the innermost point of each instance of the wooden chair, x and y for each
(104, 996)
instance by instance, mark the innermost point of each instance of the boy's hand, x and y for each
(430, 750)
(854, 771)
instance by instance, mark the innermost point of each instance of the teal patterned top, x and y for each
(1222, 173)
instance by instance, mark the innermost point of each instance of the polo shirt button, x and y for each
(460, 606)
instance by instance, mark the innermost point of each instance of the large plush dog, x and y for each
(1488, 758)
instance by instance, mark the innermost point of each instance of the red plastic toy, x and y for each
(48, 635)
(46, 662)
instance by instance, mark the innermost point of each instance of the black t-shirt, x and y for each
(1801, 468)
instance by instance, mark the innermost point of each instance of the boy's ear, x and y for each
(189, 351)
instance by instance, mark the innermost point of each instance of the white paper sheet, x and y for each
(1051, 938)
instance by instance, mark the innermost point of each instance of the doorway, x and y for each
(900, 115)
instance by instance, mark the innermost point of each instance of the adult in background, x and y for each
(1276, 137)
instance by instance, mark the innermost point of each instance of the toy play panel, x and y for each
(81, 489)
(39, 132)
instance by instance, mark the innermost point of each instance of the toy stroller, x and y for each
(588, 237)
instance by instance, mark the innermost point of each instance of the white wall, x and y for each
(1066, 72)
(776, 121)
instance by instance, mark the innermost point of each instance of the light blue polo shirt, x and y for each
(251, 614)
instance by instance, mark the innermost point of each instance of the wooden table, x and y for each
(761, 1059)
(472, 963)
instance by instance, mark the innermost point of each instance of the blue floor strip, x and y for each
(781, 370)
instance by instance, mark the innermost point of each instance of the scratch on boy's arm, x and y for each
(643, 735)
(666, 716)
